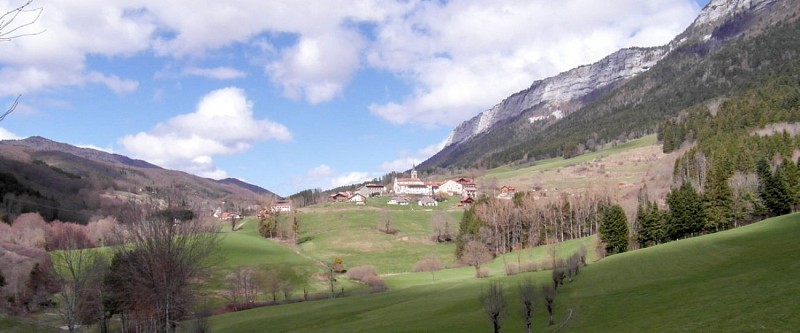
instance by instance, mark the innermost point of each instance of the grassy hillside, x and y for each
(738, 280)
(353, 234)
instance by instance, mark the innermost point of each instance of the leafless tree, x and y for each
(429, 264)
(549, 294)
(442, 223)
(527, 297)
(73, 263)
(476, 254)
(494, 303)
(386, 223)
(272, 284)
(243, 285)
(12, 25)
(162, 265)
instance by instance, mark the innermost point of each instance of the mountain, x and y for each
(75, 184)
(254, 188)
(630, 91)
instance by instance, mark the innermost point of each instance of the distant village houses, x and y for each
(371, 190)
(282, 206)
(416, 186)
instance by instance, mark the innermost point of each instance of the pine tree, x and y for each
(718, 199)
(773, 188)
(686, 215)
(614, 229)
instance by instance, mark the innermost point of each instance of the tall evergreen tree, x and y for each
(614, 229)
(686, 215)
(718, 199)
(773, 188)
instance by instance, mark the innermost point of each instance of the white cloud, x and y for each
(223, 124)
(317, 67)
(8, 135)
(406, 159)
(218, 73)
(113, 82)
(462, 57)
(323, 176)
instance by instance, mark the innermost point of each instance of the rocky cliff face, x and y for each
(559, 95)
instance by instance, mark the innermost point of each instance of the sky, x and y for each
(292, 94)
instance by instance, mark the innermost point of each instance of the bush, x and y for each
(375, 282)
(361, 272)
(483, 273)
(512, 269)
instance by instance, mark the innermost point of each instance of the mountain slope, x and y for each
(64, 182)
(704, 62)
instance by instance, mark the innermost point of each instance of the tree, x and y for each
(160, 268)
(386, 222)
(773, 188)
(494, 303)
(12, 25)
(649, 224)
(614, 229)
(442, 223)
(527, 297)
(73, 263)
(686, 214)
(428, 264)
(549, 294)
(476, 254)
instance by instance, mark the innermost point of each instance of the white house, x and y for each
(427, 201)
(402, 201)
(282, 206)
(451, 187)
(414, 185)
(358, 198)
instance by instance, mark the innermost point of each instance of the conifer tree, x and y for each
(614, 229)
(686, 215)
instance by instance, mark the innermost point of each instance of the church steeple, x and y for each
(414, 171)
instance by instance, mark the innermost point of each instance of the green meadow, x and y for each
(738, 280)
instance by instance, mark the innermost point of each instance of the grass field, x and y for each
(738, 280)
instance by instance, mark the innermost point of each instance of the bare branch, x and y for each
(11, 108)
(9, 31)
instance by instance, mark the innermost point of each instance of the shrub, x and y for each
(361, 272)
(482, 273)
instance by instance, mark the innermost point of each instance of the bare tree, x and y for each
(442, 223)
(494, 303)
(12, 25)
(161, 267)
(527, 297)
(73, 263)
(549, 294)
(386, 223)
(475, 254)
(429, 264)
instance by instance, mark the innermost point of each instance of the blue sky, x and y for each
(290, 95)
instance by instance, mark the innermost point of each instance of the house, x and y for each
(451, 187)
(217, 213)
(282, 206)
(466, 201)
(414, 185)
(229, 216)
(358, 198)
(401, 200)
(507, 189)
(372, 190)
(340, 196)
(468, 187)
(427, 201)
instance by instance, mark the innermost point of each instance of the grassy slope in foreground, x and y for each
(739, 280)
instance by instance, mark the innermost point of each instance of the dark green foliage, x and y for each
(469, 226)
(773, 188)
(614, 229)
(650, 224)
(175, 214)
(718, 199)
(686, 214)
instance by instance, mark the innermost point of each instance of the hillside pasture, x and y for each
(737, 280)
